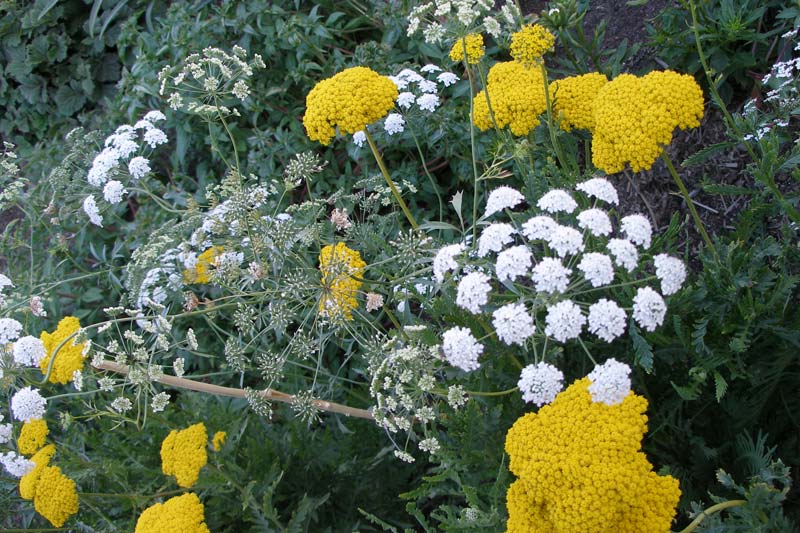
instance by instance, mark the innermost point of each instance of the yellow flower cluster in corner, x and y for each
(54, 495)
(517, 97)
(202, 270)
(184, 513)
(580, 468)
(574, 99)
(339, 266)
(530, 43)
(350, 101)
(69, 357)
(183, 454)
(635, 117)
(474, 45)
(33, 436)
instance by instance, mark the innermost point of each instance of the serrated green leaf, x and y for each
(643, 352)
(720, 386)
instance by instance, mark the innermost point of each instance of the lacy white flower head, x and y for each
(359, 138)
(513, 324)
(638, 230)
(9, 330)
(625, 253)
(610, 382)
(394, 123)
(436, 18)
(540, 383)
(5, 282)
(556, 201)
(28, 351)
(473, 292)
(406, 99)
(512, 263)
(539, 228)
(28, 404)
(445, 260)
(671, 272)
(607, 319)
(461, 349)
(597, 269)
(113, 191)
(564, 321)
(428, 102)
(92, 211)
(15, 464)
(566, 241)
(649, 308)
(599, 188)
(502, 198)
(447, 78)
(138, 167)
(494, 237)
(596, 221)
(5, 431)
(551, 276)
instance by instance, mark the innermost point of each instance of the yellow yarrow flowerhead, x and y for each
(184, 513)
(574, 100)
(218, 440)
(56, 498)
(635, 118)
(32, 437)
(202, 270)
(580, 468)
(69, 357)
(339, 266)
(517, 97)
(349, 101)
(474, 45)
(183, 454)
(530, 43)
(27, 484)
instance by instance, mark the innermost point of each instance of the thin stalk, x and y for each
(388, 179)
(550, 129)
(685, 192)
(472, 141)
(708, 512)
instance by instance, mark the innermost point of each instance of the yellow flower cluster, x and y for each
(69, 357)
(350, 100)
(580, 469)
(183, 454)
(184, 513)
(53, 494)
(530, 43)
(202, 270)
(517, 97)
(574, 99)
(32, 437)
(635, 117)
(339, 266)
(474, 45)
(218, 440)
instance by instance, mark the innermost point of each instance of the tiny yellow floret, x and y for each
(56, 498)
(349, 101)
(218, 440)
(183, 454)
(474, 45)
(70, 357)
(184, 513)
(202, 269)
(530, 43)
(517, 98)
(33, 436)
(340, 267)
(27, 484)
(574, 98)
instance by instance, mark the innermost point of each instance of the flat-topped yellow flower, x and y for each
(218, 440)
(517, 98)
(32, 437)
(69, 357)
(56, 498)
(184, 513)
(474, 45)
(339, 266)
(27, 483)
(349, 101)
(183, 454)
(530, 43)
(201, 273)
(574, 98)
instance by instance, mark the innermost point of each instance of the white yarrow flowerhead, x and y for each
(27, 404)
(566, 241)
(5, 282)
(90, 208)
(671, 272)
(473, 292)
(513, 324)
(597, 269)
(461, 349)
(138, 167)
(428, 102)
(551, 276)
(406, 100)
(113, 192)
(401, 83)
(9, 330)
(5, 432)
(359, 138)
(607, 319)
(494, 237)
(447, 78)
(540, 383)
(394, 123)
(492, 27)
(564, 321)
(16, 465)
(28, 351)
(624, 252)
(638, 230)
(596, 221)
(154, 116)
(610, 382)
(154, 137)
(410, 75)
(556, 201)
(539, 228)
(102, 165)
(502, 198)
(513, 262)
(601, 189)
(428, 86)
(445, 260)
(649, 308)
(430, 67)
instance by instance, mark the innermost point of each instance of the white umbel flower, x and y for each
(9, 330)
(494, 237)
(597, 269)
(359, 138)
(430, 68)
(540, 383)
(428, 86)
(624, 252)
(102, 165)
(607, 319)
(5, 282)
(447, 78)
(5, 431)
(90, 208)
(638, 230)
(551, 276)
(473, 292)
(610, 382)
(27, 404)
(564, 321)
(28, 351)
(671, 272)
(113, 192)
(601, 189)
(406, 99)
(394, 123)
(154, 116)
(428, 102)
(445, 260)
(539, 228)
(649, 308)
(502, 198)
(461, 349)
(154, 137)
(566, 241)
(513, 324)
(556, 201)
(138, 167)
(512, 263)
(16, 465)
(596, 221)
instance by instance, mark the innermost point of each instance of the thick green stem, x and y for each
(389, 181)
(708, 512)
(685, 192)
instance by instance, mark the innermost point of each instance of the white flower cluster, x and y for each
(28, 351)
(27, 404)
(9, 330)
(540, 383)
(438, 18)
(461, 348)
(610, 382)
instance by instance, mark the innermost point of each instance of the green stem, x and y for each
(389, 181)
(550, 129)
(685, 192)
(708, 512)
